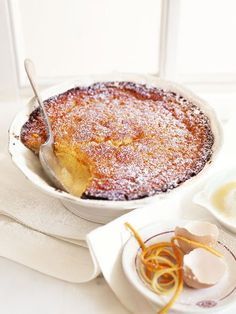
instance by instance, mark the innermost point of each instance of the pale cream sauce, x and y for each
(224, 199)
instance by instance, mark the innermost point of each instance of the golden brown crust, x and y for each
(137, 140)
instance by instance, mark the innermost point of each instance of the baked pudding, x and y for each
(123, 140)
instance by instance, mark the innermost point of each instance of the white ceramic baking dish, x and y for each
(99, 210)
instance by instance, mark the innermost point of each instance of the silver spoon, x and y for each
(47, 156)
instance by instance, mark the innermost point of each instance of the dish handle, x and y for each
(200, 199)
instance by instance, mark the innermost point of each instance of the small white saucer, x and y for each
(208, 300)
(203, 198)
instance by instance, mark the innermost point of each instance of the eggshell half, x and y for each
(202, 269)
(198, 231)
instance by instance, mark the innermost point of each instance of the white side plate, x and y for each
(208, 300)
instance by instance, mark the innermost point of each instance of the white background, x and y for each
(189, 41)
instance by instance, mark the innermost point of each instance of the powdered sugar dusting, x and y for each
(137, 140)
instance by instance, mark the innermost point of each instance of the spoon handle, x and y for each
(31, 73)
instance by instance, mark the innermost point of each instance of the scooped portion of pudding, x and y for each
(122, 140)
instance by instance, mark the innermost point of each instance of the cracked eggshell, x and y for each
(202, 269)
(199, 231)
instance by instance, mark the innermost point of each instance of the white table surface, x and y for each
(25, 291)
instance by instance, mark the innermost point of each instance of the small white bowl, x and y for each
(100, 211)
(204, 197)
